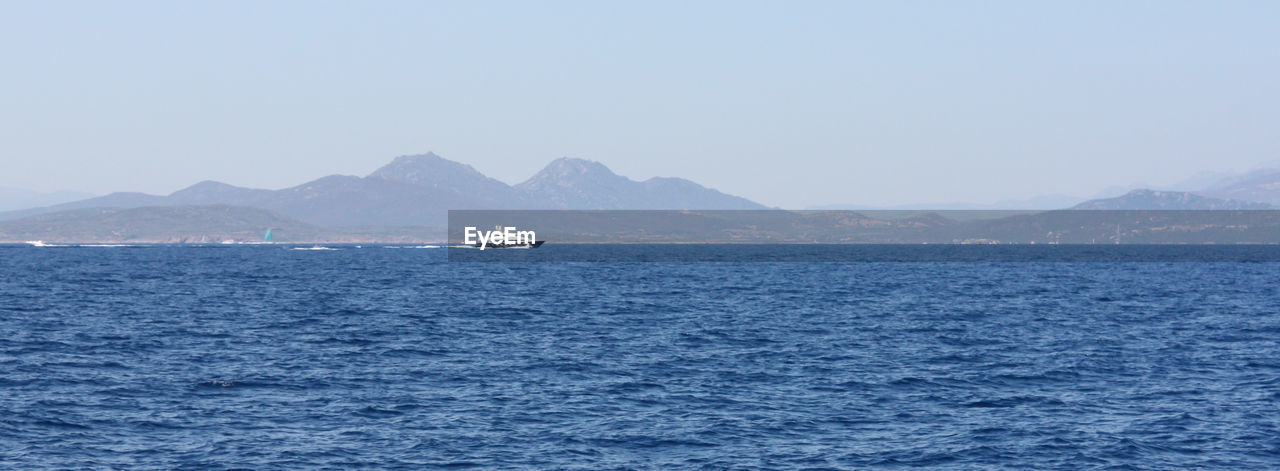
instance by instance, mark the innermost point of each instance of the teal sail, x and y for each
(267, 238)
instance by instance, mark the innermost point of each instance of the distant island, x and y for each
(408, 200)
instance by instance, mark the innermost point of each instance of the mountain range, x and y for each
(1167, 200)
(409, 198)
(418, 190)
(1207, 189)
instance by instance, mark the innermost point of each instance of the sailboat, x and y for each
(268, 238)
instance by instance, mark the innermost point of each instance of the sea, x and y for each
(394, 357)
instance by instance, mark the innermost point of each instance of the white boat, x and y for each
(37, 243)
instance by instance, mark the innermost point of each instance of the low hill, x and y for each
(166, 224)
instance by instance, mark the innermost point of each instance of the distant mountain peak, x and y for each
(587, 184)
(578, 183)
(418, 159)
(574, 162)
(208, 183)
(206, 186)
(568, 167)
(418, 162)
(427, 169)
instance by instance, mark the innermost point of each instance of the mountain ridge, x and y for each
(569, 183)
(420, 189)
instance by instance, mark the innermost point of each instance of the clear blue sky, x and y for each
(788, 103)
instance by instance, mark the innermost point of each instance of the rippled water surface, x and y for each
(267, 358)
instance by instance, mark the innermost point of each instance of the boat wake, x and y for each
(40, 243)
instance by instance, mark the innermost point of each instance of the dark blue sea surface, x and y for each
(263, 357)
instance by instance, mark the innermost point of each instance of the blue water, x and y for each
(267, 358)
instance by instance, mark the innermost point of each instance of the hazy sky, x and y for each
(787, 103)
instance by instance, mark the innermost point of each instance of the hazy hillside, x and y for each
(12, 199)
(1261, 186)
(113, 200)
(1167, 200)
(156, 224)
